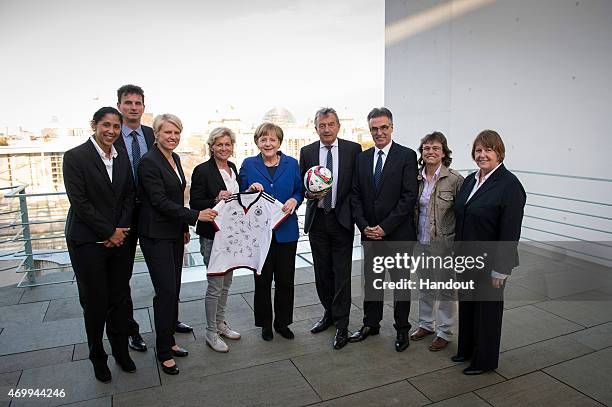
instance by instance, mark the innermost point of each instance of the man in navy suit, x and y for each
(136, 140)
(329, 223)
(383, 200)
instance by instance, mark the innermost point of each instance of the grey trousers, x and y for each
(216, 292)
(437, 308)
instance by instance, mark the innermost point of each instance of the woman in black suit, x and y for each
(98, 222)
(211, 182)
(489, 208)
(164, 231)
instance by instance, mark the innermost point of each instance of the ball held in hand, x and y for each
(318, 179)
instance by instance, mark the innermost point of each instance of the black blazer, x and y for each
(392, 205)
(162, 214)
(206, 183)
(97, 206)
(494, 214)
(347, 153)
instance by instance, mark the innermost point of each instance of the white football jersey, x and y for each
(244, 227)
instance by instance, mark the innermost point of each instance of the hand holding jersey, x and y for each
(244, 227)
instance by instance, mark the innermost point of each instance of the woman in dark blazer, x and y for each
(278, 175)
(211, 182)
(101, 199)
(489, 212)
(164, 231)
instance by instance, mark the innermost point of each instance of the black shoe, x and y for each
(472, 371)
(125, 363)
(341, 338)
(180, 352)
(363, 333)
(101, 371)
(173, 370)
(267, 334)
(137, 343)
(183, 328)
(459, 358)
(322, 324)
(285, 332)
(401, 341)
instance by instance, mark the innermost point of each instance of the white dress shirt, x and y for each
(385, 151)
(323, 162)
(231, 184)
(479, 183)
(108, 162)
(477, 186)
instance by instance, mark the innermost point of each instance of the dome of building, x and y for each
(279, 116)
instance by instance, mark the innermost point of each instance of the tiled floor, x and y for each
(556, 350)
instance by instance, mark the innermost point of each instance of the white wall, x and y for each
(539, 72)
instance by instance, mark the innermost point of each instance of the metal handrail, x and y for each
(26, 253)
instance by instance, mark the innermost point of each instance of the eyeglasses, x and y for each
(382, 128)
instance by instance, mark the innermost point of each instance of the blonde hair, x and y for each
(166, 117)
(219, 132)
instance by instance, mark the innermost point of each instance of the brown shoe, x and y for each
(420, 334)
(438, 344)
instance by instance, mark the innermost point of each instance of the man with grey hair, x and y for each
(384, 195)
(329, 223)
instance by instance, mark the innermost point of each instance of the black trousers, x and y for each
(373, 302)
(164, 258)
(280, 267)
(332, 251)
(102, 276)
(480, 321)
(132, 241)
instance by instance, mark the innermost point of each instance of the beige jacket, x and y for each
(441, 205)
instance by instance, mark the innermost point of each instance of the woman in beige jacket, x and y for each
(435, 221)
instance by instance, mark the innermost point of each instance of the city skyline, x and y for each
(65, 62)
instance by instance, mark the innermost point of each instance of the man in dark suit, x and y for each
(136, 139)
(329, 223)
(383, 200)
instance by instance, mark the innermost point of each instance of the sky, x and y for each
(63, 59)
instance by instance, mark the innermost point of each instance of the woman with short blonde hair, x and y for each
(212, 181)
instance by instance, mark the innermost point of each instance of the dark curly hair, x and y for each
(128, 90)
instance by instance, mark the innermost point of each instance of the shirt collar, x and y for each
(385, 149)
(101, 152)
(436, 174)
(334, 144)
(486, 177)
(126, 131)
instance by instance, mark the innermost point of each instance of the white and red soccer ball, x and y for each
(318, 179)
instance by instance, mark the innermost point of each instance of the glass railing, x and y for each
(565, 213)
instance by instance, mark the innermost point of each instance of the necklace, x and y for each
(275, 164)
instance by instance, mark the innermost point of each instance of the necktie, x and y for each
(378, 169)
(135, 155)
(327, 199)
